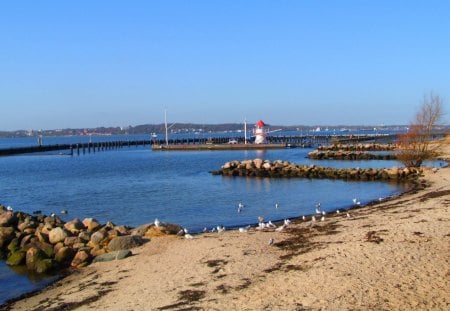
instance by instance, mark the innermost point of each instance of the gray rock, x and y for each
(117, 255)
(125, 242)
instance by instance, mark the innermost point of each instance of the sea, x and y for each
(135, 185)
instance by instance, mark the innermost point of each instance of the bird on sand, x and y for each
(157, 222)
(304, 217)
(287, 222)
(188, 236)
(313, 218)
(271, 241)
(348, 215)
(9, 208)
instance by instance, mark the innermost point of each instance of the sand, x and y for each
(393, 255)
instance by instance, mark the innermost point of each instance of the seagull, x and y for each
(380, 199)
(9, 208)
(287, 222)
(354, 201)
(181, 232)
(313, 218)
(260, 219)
(63, 211)
(280, 228)
(304, 217)
(213, 230)
(323, 218)
(242, 230)
(52, 215)
(157, 222)
(220, 229)
(271, 241)
(270, 224)
(276, 205)
(205, 230)
(261, 226)
(323, 213)
(240, 205)
(348, 215)
(338, 211)
(188, 236)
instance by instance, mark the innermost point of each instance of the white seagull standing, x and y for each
(157, 222)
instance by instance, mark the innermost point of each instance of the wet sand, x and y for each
(394, 255)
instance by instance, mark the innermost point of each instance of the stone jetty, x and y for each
(358, 147)
(279, 169)
(348, 155)
(44, 243)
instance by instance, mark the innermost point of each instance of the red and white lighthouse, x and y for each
(260, 132)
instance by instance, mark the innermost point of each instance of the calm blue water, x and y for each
(133, 186)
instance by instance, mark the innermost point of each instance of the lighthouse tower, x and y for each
(260, 132)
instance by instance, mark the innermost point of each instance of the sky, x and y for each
(86, 63)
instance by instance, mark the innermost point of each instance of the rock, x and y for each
(81, 259)
(98, 237)
(84, 236)
(44, 265)
(8, 219)
(74, 226)
(6, 235)
(117, 255)
(97, 251)
(141, 230)
(26, 240)
(64, 255)
(57, 235)
(14, 245)
(123, 230)
(258, 163)
(17, 258)
(71, 240)
(164, 229)
(33, 255)
(125, 242)
(91, 224)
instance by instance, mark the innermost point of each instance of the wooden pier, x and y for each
(184, 144)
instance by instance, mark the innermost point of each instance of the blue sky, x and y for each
(118, 63)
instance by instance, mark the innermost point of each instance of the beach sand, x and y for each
(394, 255)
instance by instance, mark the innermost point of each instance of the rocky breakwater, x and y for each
(358, 147)
(348, 155)
(260, 168)
(45, 243)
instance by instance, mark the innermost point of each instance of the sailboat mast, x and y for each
(245, 131)
(165, 124)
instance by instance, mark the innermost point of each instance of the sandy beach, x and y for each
(393, 255)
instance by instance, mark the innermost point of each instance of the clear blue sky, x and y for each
(116, 63)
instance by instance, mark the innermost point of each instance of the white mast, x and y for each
(165, 123)
(245, 131)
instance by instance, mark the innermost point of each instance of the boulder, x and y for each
(44, 265)
(81, 259)
(71, 240)
(84, 236)
(98, 237)
(8, 219)
(6, 235)
(74, 226)
(14, 245)
(91, 224)
(34, 255)
(57, 235)
(117, 255)
(258, 163)
(125, 242)
(164, 229)
(17, 258)
(97, 251)
(64, 255)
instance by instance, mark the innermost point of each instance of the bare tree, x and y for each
(414, 146)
